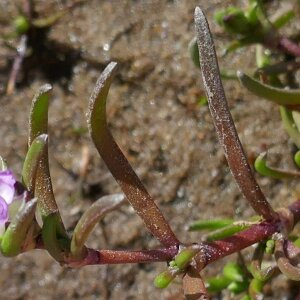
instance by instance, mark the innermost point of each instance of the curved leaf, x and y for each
(38, 124)
(89, 220)
(255, 269)
(15, 234)
(226, 231)
(284, 264)
(212, 224)
(50, 237)
(32, 160)
(261, 167)
(279, 96)
(223, 122)
(118, 165)
(290, 125)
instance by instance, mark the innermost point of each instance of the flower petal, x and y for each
(3, 211)
(7, 189)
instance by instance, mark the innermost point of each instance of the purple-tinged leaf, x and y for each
(15, 234)
(283, 262)
(223, 122)
(118, 165)
(89, 220)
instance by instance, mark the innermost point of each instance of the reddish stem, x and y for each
(288, 46)
(103, 257)
(256, 233)
(209, 253)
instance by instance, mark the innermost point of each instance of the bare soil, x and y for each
(154, 116)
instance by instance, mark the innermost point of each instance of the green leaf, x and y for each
(240, 43)
(212, 224)
(297, 242)
(163, 279)
(255, 288)
(238, 287)
(217, 284)
(261, 167)
(297, 159)
(38, 124)
(290, 125)
(32, 160)
(226, 231)
(184, 257)
(255, 267)
(50, 237)
(38, 120)
(284, 18)
(270, 244)
(279, 96)
(15, 234)
(89, 220)
(234, 20)
(194, 52)
(232, 271)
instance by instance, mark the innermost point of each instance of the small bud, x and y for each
(21, 25)
(163, 279)
(270, 246)
(185, 256)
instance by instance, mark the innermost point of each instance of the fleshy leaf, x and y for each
(15, 234)
(233, 272)
(50, 237)
(290, 125)
(226, 231)
(217, 284)
(284, 18)
(212, 224)
(297, 158)
(163, 279)
(32, 160)
(261, 167)
(279, 96)
(238, 287)
(283, 263)
(223, 122)
(255, 289)
(184, 257)
(89, 220)
(38, 124)
(118, 165)
(255, 266)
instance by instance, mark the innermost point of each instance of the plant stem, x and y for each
(209, 251)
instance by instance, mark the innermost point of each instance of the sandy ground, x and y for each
(154, 116)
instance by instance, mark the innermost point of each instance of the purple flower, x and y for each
(7, 192)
